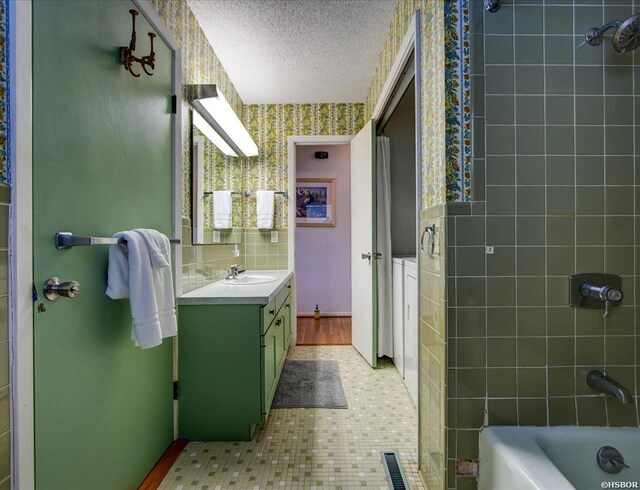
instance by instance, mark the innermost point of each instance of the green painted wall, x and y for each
(102, 163)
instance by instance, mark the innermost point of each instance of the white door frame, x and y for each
(294, 141)
(21, 245)
(21, 222)
(411, 44)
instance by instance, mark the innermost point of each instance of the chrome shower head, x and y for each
(491, 5)
(625, 39)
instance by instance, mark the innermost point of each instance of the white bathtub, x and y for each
(555, 458)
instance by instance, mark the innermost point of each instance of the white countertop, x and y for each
(222, 293)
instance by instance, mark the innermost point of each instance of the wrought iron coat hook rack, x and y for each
(127, 58)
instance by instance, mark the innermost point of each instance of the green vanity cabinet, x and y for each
(230, 357)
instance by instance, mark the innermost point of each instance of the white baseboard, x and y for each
(324, 313)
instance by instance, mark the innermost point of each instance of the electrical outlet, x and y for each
(236, 250)
(216, 236)
(490, 250)
(274, 237)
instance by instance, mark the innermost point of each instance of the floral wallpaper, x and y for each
(4, 95)
(447, 168)
(199, 65)
(270, 126)
(402, 16)
(447, 173)
(433, 104)
(457, 100)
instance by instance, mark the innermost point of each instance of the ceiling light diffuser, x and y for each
(214, 109)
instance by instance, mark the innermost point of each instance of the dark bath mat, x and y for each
(310, 384)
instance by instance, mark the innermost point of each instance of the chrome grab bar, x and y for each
(66, 240)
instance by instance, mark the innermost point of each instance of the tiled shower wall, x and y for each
(556, 146)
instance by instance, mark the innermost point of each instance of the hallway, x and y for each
(310, 448)
(325, 331)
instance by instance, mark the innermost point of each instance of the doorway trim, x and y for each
(21, 287)
(411, 45)
(21, 257)
(292, 142)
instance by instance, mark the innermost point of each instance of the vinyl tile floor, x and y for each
(309, 448)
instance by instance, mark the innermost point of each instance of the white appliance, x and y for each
(397, 284)
(405, 321)
(411, 327)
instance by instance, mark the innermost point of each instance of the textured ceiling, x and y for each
(294, 51)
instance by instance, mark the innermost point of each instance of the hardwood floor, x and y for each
(162, 467)
(329, 330)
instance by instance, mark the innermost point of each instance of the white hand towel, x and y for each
(141, 270)
(222, 209)
(264, 209)
(160, 252)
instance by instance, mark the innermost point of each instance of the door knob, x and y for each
(53, 289)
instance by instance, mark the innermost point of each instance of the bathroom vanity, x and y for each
(234, 339)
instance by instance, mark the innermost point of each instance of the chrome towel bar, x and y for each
(66, 240)
(283, 193)
(210, 193)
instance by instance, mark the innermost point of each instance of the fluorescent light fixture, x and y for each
(209, 132)
(214, 109)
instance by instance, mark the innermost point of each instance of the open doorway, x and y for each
(397, 232)
(323, 245)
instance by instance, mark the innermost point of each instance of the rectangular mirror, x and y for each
(217, 196)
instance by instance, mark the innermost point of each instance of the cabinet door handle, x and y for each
(278, 322)
(272, 312)
(287, 305)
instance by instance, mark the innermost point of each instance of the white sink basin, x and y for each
(248, 279)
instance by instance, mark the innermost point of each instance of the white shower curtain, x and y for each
(385, 318)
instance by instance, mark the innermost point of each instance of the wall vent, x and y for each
(394, 471)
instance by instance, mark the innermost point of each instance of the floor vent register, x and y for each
(394, 471)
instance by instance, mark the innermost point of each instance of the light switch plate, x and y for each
(490, 250)
(274, 237)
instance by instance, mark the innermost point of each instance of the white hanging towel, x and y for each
(222, 210)
(141, 270)
(264, 209)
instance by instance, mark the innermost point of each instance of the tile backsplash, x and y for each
(204, 264)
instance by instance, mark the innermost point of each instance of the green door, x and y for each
(101, 164)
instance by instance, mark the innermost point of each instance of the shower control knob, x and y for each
(608, 294)
(614, 295)
(53, 289)
(601, 292)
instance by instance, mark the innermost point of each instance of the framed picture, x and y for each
(315, 202)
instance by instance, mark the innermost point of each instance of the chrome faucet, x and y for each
(234, 270)
(600, 381)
